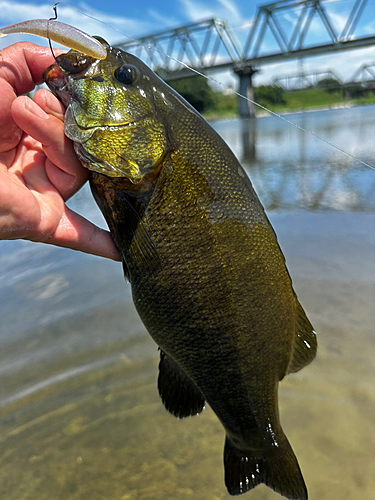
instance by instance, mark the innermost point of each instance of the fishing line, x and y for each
(277, 115)
(49, 40)
(223, 85)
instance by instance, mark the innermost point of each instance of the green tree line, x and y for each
(199, 94)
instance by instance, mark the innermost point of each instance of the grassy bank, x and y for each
(226, 105)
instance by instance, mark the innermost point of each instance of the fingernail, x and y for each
(53, 104)
(50, 100)
(49, 103)
(35, 109)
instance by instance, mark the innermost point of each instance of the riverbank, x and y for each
(311, 100)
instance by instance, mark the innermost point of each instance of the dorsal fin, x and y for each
(305, 343)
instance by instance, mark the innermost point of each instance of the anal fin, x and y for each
(179, 394)
(305, 343)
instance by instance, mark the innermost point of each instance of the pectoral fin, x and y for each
(137, 238)
(178, 393)
(305, 343)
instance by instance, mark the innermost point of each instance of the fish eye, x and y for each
(74, 63)
(126, 74)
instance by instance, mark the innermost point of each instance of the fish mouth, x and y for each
(57, 82)
(78, 131)
(95, 165)
(81, 135)
(134, 173)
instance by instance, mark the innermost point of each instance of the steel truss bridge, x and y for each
(363, 79)
(365, 76)
(211, 45)
(302, 80)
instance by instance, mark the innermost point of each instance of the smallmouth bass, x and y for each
(208, 277)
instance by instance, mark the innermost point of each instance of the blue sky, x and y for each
(150, 16)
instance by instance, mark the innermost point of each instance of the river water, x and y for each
(80, 417)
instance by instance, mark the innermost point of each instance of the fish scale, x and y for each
(208, 277)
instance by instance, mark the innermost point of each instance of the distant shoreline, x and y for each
(288, 111)
(298, 102)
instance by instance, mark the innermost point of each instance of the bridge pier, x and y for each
(245, 109)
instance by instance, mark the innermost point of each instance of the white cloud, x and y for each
(232, 8)
(245, 25)
(165, 21)
(197, 11)
(338, 21)
(16, 11)
(369, 28)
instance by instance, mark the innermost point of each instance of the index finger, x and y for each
(21, 68)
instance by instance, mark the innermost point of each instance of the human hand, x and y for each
(39, 170)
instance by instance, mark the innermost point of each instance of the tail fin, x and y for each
(279, 471)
